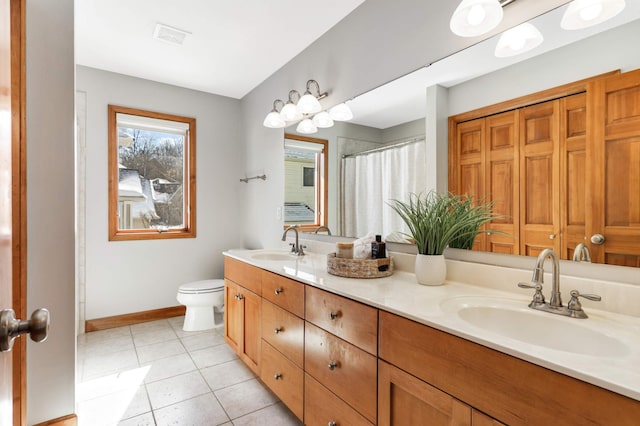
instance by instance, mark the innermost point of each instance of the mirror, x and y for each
(395, 113)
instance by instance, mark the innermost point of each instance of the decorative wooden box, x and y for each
(359, 268)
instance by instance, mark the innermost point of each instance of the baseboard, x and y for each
(134, 318)
(70, 420)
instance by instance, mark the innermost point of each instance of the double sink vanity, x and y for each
(342, 351)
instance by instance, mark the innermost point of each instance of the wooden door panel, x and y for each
(251, 330)
(232, 316)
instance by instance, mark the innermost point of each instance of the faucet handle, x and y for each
(301, 250)
(293, 247)
(538, 297)
(575, 307)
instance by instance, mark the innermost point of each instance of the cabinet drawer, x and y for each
(283, 377)
(284, 331)
(244, 274)
(322, 407)
(349, 320)
(346, 370)
(286, 293)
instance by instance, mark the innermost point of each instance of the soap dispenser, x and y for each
(378, 248)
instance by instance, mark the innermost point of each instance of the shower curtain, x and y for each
(372, 178)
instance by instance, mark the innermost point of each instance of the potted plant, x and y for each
(436, 221)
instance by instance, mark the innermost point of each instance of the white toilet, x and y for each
(201, 298)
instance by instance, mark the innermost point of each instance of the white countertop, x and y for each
(400, 294)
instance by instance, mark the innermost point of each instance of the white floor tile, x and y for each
(111, 409)
(109, 363)
(201, 410)
(273, 415)
(153, 335)
(176, 389)
(160, 350)
(213, 356)
(169, 367)
(145, 419)
(245, 398)
(202, 340)
(227, 374)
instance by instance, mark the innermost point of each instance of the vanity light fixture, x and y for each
(306, 126)
(322, 120)
(273, 120)
(476, 17)
(341, 112)
(518, 40)
(586, 13)
(290, 111)
(308, 103)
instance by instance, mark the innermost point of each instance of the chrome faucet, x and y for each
(296, 248)
(573, 309)
(581, 253)
(323, 228)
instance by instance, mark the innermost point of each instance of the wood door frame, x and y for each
(19, 202)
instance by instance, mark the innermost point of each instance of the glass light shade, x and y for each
(274, 121)
(290, 112)
(308, 104)
(306, 126)
(341, 112)
(475, 17)
(586, 13)
(518, 40)
(322, 120)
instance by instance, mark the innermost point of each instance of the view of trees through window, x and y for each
(151, 175)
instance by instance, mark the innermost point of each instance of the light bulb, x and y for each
(591, 12)
(341, 112)
(290, 112)
(476, 15)
(306, 126)
(274, 121)
(308, 104)
(322, 120)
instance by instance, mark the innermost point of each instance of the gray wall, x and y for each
(133, 276)
(50, 206)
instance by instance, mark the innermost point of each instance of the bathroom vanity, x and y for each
(342, 351)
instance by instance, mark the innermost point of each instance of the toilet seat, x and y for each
(202, 287)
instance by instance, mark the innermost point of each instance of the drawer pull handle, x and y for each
(239, 297)
(333, 365)
(278, 291)
(333, 315)
(277, 376)
(332, 424)
(277, 330)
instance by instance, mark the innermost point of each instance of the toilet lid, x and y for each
(204, 286)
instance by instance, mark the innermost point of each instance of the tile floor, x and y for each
(157, 374)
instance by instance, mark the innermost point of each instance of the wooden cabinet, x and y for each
(284, 292)
(242, 314)
(561, 165)
(505, 388)
(283, 377)
(322, 407)
(284, 331)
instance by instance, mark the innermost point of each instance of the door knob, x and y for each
(597, 239)
(10, 327)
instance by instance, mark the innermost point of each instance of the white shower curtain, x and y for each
(371, 179)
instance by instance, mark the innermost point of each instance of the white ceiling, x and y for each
(233, 46)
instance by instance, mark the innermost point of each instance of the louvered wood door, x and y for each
(502, 172)
(613, 175)
(573, 157)
(539, 178)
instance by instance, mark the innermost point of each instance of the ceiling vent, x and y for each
(169, 34)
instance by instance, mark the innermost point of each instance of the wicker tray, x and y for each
(359, 268)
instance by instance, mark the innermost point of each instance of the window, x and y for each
(305, 193)
(151, 175)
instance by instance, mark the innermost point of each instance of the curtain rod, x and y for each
(386, 147)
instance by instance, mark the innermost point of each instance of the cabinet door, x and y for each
(481, 419)
(539, 178)
(251, 330)
(322, 407)
(406, 400)
(232, 316)
(614, 195)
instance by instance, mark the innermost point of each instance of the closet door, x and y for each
(502, 170)
(539, 178)
(613, 175)
(573, 141)
(470, 165)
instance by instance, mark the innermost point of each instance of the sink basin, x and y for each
(513, 319)
(272, 255)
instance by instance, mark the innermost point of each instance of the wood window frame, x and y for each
(322, 176)
(189, 179)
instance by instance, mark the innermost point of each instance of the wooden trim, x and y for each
(533, 98)
(189, 179)
(134, 318)
(19, 202)
(323, 178)
(69, 420)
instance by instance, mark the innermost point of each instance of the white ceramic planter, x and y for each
(430, 269)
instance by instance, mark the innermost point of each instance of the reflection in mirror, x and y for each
(305, 195)
(472, 79)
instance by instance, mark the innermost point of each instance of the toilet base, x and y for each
(198, 318)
